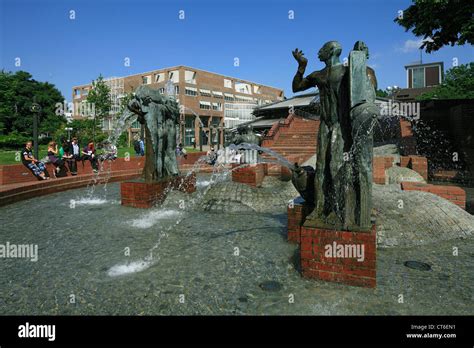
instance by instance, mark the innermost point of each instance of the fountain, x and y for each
(159, 115)
(338, 192)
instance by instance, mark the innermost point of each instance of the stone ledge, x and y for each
(454, 194)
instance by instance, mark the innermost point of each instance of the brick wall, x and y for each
(143, 195)
(379, 165)
(140, 194)
(297, 213)
(251, 175)
(417, 163)
(18, 173)
(348, 270)
(407, 139)
(452, 193)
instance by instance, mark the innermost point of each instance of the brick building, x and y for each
(211, 101)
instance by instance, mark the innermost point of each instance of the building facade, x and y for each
(209, 102)
(421, 78)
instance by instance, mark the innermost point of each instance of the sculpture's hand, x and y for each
(300, 58)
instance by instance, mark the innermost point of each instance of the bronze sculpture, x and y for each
(343, 175)
(160, 116)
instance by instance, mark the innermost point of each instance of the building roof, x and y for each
(296, 101)
(411, 65)
(186, 67)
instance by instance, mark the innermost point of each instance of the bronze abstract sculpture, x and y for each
(160, 116)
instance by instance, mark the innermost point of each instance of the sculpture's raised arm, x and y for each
(301, 83)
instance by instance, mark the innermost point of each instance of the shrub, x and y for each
(13, 141)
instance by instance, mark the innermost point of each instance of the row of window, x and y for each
(190, 78)
(205, 105)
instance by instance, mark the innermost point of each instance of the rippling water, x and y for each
(120, 260)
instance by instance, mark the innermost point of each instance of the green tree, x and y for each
(83, 130)
(381, 93)
(458, 84)
(99, 96)
(440, 22)
(17, 93)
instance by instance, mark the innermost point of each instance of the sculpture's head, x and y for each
(138, 103)
(330, 49)
(361, 46)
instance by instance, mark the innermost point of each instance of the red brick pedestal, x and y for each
(140, 194)
(332, 256)
(297, 212)
(251, 174)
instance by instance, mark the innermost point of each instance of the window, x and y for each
(176, 90)
(243, 98)
(191, 91)
(256, 89)
(160, 77)
(161, 90)
(205, 92)
(243, 88)
(228, 97)
(227, 83)
(205, 105)
(217, 106)
(216, 94)
(418, 77)
(190, 77)
(146, 80)
(174, 75)
(77, 93)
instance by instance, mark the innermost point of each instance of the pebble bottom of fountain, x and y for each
(81, 252)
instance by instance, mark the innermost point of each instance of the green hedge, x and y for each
(13, 141)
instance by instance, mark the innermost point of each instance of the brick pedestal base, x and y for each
(252, 174)
(140, 194)
(339, 256)
(297, 212)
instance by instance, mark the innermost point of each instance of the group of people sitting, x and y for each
(65, 158)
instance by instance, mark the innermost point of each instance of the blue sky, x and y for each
(69, 52)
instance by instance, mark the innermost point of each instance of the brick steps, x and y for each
(296, 137)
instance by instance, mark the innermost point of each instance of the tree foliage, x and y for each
(381, 93)
(440, 22)
(99, 95)
(458, 84)
(18, 91)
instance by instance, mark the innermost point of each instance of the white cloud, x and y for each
(412, 45)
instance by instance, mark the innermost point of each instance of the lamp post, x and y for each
(35, 109)
(68, 129)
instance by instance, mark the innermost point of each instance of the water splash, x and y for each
(132, 267)
(90, 201)
(153, 217)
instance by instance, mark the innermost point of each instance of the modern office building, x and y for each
(211, 102)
